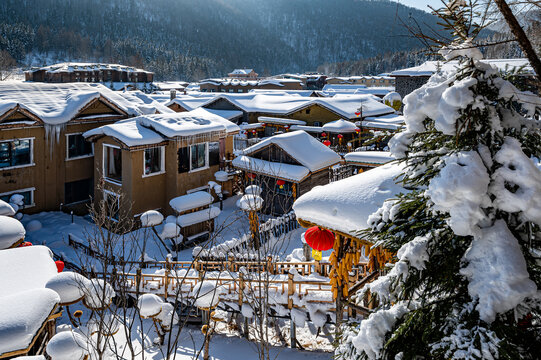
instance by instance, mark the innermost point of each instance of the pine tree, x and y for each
(467, 232)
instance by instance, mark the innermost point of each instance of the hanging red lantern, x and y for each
(357, 113)
(357, 130)
(280, 183)
(254, 131)
(327, 143)
(340, 136)
(286, 127)
(59, 265)
(263, 124)
(323, 134)
(319, 240)
(251, 175)
(25, 244)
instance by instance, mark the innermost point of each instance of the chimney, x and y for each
(173, 94)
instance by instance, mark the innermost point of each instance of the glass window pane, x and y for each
(5, 154)
(113, 163)
(153, 160)
(199, 156)
(78, 146)
(20, 152)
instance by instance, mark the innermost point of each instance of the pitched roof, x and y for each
(75, 66)
(57, 104)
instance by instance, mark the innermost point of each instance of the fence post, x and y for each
(138, 279)
(293, 333)
(290, 290)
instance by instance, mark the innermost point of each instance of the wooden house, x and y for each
(243, 74)
(43, 155)
(365, 160)
(244, 86)
(285, 167)
(149, 160)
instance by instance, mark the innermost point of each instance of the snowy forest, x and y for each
(183, 39)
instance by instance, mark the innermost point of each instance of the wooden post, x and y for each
(241, 289)
(293, 334)
(138, 277)
(290, 290)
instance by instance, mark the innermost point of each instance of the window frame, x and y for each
(206, 166)
(162, 161)
(31, 163)
(32, 195)
(106, 178)
(76, 157)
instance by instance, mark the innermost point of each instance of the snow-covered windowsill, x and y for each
(17, 166)
(153, 174)
(80, 157)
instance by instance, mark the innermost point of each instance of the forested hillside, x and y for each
(186, 39)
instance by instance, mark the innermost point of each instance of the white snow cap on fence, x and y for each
(11, 231)
(6, 209)
(253, 190)
(206, 294)
(21, 316)
(69, 285)
(250, 203)
(149, 305)
(67, 345)
(151, 218)
(191, 201)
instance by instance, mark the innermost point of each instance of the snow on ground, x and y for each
(56, 227)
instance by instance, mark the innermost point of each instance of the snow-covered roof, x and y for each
(21, 316)
(191, 201)
(317, 129)
(57, 104)
(145, 103)
(345, 205)
(170, 85)
(343, 106)
(241, 71)
(290, 172)
(339, 126)
(130, 132)
(389, 121)
(189, 102)
(25, 268)
(226, 114)
(153, 129)
(430, 67)
(369, 157)
(273, 120)
(79, 66)
(302, 147)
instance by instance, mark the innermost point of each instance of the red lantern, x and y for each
(254, 131)
(286, 127)
(327, 143)
(280, 183)
(319, 240)
(340, 136)
(25, 244)
(323, 134)
(263, 124)
(59, 265)
(251, 175)
(357, 113)
(357, 130)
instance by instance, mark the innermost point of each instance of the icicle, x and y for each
(52, 135)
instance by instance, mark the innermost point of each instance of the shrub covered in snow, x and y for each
(465, 283)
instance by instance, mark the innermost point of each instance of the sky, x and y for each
(421, 4)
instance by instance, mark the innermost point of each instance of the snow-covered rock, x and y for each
(33, 225)
(67, 345)
(11, 231)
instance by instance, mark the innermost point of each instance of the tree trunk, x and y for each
(520, 36)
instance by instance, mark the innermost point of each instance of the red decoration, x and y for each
(263, 124)
(323, 134)
(280, 183)
(319, 239)
(286, 127)
(327, 143)
(25, 244)
(357, 113)
(340, 136)
(357, 130)
(59, 265)
(251, 175)
(254, 131)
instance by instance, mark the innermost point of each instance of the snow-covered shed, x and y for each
(27, 309)
(286, 166)
(151, 159)
(45, 157)
(364, 160)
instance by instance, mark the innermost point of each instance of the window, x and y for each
(198, 156)
(112, 202)
(231, 90)
(78, 146)
(154, 160)
(77, 191)
(240, 90)
(307, 111)
(214, 153)
(317, 123)
(16, 153)
(28, 195)
(112, 163)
